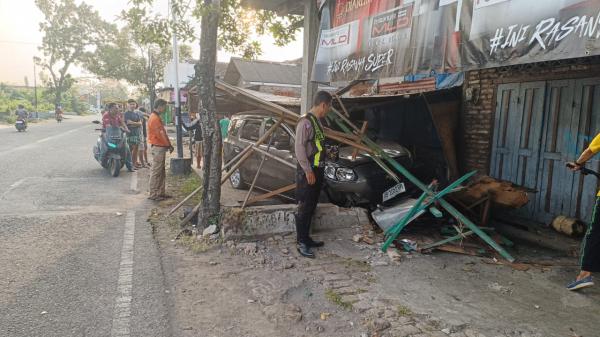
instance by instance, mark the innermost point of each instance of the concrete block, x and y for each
(181, 166)
(260, 221)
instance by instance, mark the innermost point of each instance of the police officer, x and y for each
(309, 173)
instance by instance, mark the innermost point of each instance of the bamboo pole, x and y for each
(262, 162)
(184, 200)
(235, 167)
(272, 156)
(272, 193)
(253, 147)
(362, 132)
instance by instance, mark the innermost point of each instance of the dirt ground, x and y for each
(264, 288)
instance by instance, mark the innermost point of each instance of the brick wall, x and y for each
(477, 118)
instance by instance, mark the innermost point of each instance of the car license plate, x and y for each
(394, 191)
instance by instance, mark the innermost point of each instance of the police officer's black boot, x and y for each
(305, 250)
(315, 244)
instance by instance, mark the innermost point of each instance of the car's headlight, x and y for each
(345, 174)
(330, 172)
(339, 173)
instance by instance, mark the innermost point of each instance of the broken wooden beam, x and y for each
(271, 194)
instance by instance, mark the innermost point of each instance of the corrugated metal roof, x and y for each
(266, 72)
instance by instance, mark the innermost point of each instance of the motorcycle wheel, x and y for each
(114, 167)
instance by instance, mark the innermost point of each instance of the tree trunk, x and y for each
(57, 97)
(211, 192)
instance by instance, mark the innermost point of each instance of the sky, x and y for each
(20, 38)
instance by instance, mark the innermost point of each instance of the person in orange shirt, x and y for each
(160, 143)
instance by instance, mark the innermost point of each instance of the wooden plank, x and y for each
(274, 157)
(271, 194)
(361, 133)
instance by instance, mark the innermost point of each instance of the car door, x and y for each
(275, 174)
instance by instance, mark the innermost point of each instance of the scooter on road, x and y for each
(21, 125)
(110, 149)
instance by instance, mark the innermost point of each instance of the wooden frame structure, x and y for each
(355, 137)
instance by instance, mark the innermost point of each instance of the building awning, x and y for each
(406, 86)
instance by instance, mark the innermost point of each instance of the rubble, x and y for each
(212, 229)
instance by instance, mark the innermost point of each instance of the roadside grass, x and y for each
(404, 311)
(335, 298)
(188, 185)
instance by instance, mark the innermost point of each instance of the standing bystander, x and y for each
(160, 143)
(134, 123)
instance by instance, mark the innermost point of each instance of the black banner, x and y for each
(370, 39)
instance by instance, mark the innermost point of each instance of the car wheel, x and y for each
(236, 181)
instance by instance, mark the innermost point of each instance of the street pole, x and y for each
(179, 165)
(178, 120)
(35, 99)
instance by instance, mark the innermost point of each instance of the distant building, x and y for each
(276, 78)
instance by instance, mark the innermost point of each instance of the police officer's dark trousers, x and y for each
(307, 197)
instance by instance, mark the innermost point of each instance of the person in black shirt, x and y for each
(194, 125)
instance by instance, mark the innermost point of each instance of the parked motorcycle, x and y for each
(21, 125)
(110, 149)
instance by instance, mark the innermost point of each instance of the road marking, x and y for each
(122, 309)
(39, 141)
(134, 182)
(12, 187)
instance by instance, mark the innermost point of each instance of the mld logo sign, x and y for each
(335, 37)
(391, 21)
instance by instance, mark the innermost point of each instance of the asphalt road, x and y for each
(77, 257)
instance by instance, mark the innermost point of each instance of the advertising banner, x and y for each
(370, 39)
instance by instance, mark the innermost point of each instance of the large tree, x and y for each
(205, 72)
(71, 31)
(228, 24)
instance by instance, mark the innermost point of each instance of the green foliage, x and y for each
(72, 32)
(238, 26)
(11, 97)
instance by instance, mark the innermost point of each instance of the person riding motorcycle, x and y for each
(22, 114)
(112, 117)
(58, 113)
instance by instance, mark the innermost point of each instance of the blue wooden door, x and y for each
(504, 150)
(560, 121)
(539, 127)
(517, 136)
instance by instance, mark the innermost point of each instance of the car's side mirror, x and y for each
(96, 122)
